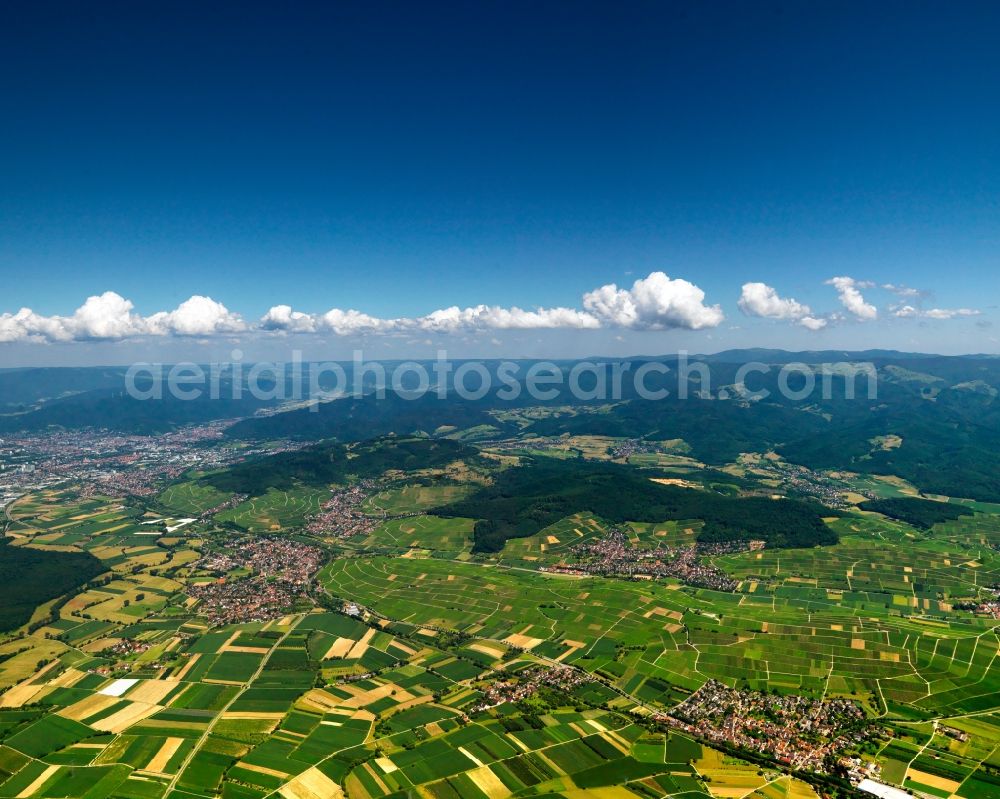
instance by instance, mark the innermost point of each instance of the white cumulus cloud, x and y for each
(282, 318)
(26, 325)
(110, 317)
(653, 303)
(760, 299)
(849, 291)
(351, 322)
(656, 302)
(812, 322)
(107, 316)
(197, 316)
(486, 317)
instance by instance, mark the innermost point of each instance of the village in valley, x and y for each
(634, 647)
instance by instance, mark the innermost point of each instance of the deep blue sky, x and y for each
(402, 157)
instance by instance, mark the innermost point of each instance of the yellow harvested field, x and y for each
(933, 781)
(160, 760)
(152, 691)
(339, 648)
(397, 644)
(126, 717)
(610, 792)
(160, 583)
(89, 706)
(253, 715)
(800, 790)
(281, 775)
(386, 765)
(38, 782)
(363, 698)
(187, 666)
(417, 700)
(370, 769)
(488, 782)
(173, 725)
(320, 700)
(573, 646)
(361, 646)
(19, 695)
(522, 641)
(311, 784)
(493, 650)
(616, 741)
(84, 600)
(733, 782)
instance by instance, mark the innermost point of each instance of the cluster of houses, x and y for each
(633, 446)
(797, 731)
(341, 515)
(613, 555)
(109, 463)
(514, 689)
(251, 599)
(279, 570)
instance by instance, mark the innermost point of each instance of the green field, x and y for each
(448, 536)
(414, 498)
(275, 510)
(190, 497)
(381, 679)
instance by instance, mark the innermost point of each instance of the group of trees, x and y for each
(30, 577)
(920, 513)
(524, 500)
(332, 462)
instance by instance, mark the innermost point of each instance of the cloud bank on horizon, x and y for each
(656, 302)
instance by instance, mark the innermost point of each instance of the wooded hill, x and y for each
(524, 500)
(331, 462)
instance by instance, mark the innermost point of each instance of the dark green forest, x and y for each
(524, 500)
(330, 462)
(920, 513)
(30, 577)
